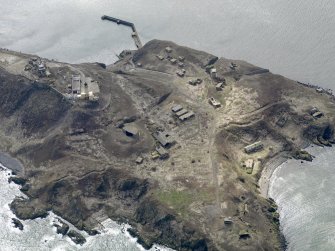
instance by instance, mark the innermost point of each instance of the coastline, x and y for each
(11, 163)
(268, 170)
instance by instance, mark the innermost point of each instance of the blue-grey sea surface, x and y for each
(305, 194)
(291, 38)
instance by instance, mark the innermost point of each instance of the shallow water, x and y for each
(40, 235)
(305, 194)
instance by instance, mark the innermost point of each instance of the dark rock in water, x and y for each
(101, 65)
(62, 227)
(92, 232)
(17, 180)
(303, 155)
(323, 141)
(140, 240)
(76, 237)
(28, 209)
(25, 187)
(18, 224)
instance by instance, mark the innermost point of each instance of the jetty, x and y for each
(134, 33)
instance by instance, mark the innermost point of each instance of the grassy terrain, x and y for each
(181, 200)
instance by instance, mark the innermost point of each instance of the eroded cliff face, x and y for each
(82, 160)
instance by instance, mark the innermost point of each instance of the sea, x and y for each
(291, 38)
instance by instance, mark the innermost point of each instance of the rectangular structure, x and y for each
(254, 147)
(76, 86)
(187, 116)
(181, 112)
(176, 108)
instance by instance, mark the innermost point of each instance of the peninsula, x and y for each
(171, 140)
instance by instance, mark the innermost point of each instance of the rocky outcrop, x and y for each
(61, 227)
(76, 237)
(18, 224)
(28, 209)
(17, 180)
(303, 155)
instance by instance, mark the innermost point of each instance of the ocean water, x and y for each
(305, 194)
(292, 38)
(40, 235)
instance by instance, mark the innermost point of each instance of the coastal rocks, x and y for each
(17, 180)
(28, 209)
(145, 243)
(318, 128)
(76, 237)
(61, 227)
(303, 155)
(17, 223)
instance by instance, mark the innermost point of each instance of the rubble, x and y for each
(197, 81)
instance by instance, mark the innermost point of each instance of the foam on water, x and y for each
(40, 234)
(305, 194)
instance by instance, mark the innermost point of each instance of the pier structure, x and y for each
(134, 33)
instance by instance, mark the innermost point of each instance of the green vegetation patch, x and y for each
(181, 200)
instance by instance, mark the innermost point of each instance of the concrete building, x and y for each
(76, 84)
(173, 60)
(160, 57)
(227, 221)
(163, 154)
(181, 73)
(181, 112)
(257, 146)
(219, 87)
(164, 138)
(176, 108)
(213, 73)
(139, 160)
(317, 115)
(130, 130)
(187, 116)
(168, 49)
(249, 163)
(214, 102)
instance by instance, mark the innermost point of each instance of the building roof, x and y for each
(130, 130)
(186, 116)
(181, 112)
(163, 138)
(255, 146)
(249, 163)
(214, 102)
(162, 152)
(176, 108)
